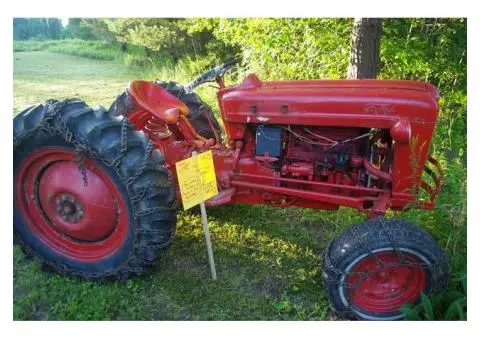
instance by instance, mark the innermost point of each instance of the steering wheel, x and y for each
(211, 75)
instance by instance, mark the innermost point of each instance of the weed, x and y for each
(448, 305)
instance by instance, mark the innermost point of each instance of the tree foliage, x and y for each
(77, 29)
(153, 34)
(54, 28)
(168, 37)
(286, 47)
(435, 51)
(100, 29)
(36, 28)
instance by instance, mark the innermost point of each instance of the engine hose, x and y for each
(376, 172)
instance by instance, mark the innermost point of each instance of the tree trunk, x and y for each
(365, 48)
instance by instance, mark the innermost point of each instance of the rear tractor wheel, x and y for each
(373, 269)
(91, 195)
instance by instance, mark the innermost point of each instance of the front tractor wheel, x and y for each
(373, 269)
(91, 196)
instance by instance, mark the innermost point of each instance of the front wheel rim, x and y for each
(84, 223)
(384, 290)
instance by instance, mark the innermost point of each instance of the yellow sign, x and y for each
(197, 179)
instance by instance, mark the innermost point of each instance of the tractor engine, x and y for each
(335, 155)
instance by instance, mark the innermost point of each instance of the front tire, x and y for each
(373, 269)
(103, 215)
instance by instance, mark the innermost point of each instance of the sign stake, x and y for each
(206, 232)
(208, 241)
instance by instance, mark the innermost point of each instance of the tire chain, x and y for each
(364, 275)
(52, 110)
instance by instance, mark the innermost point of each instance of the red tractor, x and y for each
(96, 192)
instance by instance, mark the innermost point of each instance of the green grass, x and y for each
(42, 75)
(268, 259)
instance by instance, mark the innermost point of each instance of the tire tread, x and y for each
(102, 133)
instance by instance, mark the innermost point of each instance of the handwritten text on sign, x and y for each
(197, 180)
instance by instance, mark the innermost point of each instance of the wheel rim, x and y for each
(386, 288)
(86, 223)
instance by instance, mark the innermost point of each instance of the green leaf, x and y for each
(461, 314)
(427, 305)
(456, 309)
(464, 285)
(410, 313)
(451, 312)
(452, 296)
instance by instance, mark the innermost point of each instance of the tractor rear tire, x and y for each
(402, 260)
(105, 214)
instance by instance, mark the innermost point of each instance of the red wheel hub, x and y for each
(86, 223)
(389, 288)
(83, 212)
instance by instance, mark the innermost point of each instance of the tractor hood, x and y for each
(369, 103)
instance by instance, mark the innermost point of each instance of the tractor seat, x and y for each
(157, 100)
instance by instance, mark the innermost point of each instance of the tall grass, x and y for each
(34, 45)
(93, 49)
(88, 49)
